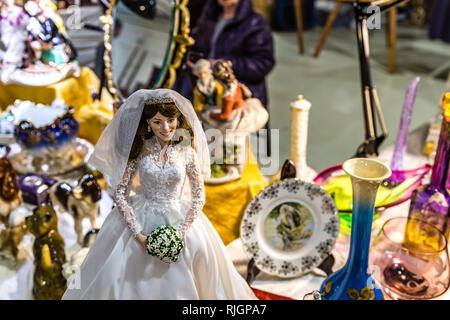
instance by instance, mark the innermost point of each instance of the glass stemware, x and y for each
(409, 260)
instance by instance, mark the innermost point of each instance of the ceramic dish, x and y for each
(42, 129)
(289, 228)
(78, 152)
(40, 76)
(232, 174)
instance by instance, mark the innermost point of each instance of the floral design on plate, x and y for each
(287, 268)
(332, 227)
(327, 205)
(247, 228)
(252, 249)
(269, 193)
(313, 191)
(290, 227)
(309, 261)
(324, 247)
(255, 207)
(267, 263)
(293, 185)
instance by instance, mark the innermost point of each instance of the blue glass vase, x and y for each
(354, 281)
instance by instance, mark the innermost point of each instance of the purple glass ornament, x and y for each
(431, 202)
(396, 165)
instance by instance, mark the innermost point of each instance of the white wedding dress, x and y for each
(117, 267)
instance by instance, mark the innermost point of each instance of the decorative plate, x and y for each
(38, 76)
(232, 174)
(289, 228)
(75, 156)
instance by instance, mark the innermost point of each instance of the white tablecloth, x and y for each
(16, 281)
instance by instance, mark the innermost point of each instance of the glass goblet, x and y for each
(409, 260)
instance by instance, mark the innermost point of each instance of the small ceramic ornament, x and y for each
(10, 200)
(80, 201)
(239, 112)
(207, 92)
(299, 138)
(49, 254)
(46, 36)
(71, 267)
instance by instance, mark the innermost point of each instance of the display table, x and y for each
(75, 91)
(226, 203)
(297, 287)
(93, 116)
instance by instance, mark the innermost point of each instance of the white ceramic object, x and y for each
(232, 174)
(38, 77)
(289, 228)
(39, 115)
(299, 138)
(76, 155)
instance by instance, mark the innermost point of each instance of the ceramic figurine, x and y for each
(76, 260)
(49, 254)
(208, 91)
(156, 236)
(13, 34)
(81, 201)
(10, 200)
(239, 112)
(46, 41)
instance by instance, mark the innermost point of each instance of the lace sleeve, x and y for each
(197, 190)
(121, 198)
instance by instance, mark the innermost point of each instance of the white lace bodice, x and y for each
(162, 182)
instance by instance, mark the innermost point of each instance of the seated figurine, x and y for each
(49, 254)
(46, 41)
(208, 91)
(239, 112)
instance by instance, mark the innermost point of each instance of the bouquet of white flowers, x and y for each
(165, 243)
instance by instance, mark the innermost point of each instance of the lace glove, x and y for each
(197, 190)
(121, 198)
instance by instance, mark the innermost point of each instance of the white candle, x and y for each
(299, 138)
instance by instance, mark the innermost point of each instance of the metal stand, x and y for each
(369, 94)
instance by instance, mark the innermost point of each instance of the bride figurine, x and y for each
(147, 161)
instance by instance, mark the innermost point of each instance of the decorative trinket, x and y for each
(49, 254)
(80, 201)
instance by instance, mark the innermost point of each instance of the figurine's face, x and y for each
(204, 74)
(42, 221)
(227, 3)
(163, 127)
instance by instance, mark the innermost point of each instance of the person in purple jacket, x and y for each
(232, 30)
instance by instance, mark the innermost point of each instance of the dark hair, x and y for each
(168, 110)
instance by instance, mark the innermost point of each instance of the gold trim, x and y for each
(108, 21)
(175, 51)
(182, 40)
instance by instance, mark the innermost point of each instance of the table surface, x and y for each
(16, 281)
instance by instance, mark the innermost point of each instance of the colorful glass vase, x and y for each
(354, 281)
(431, 202)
